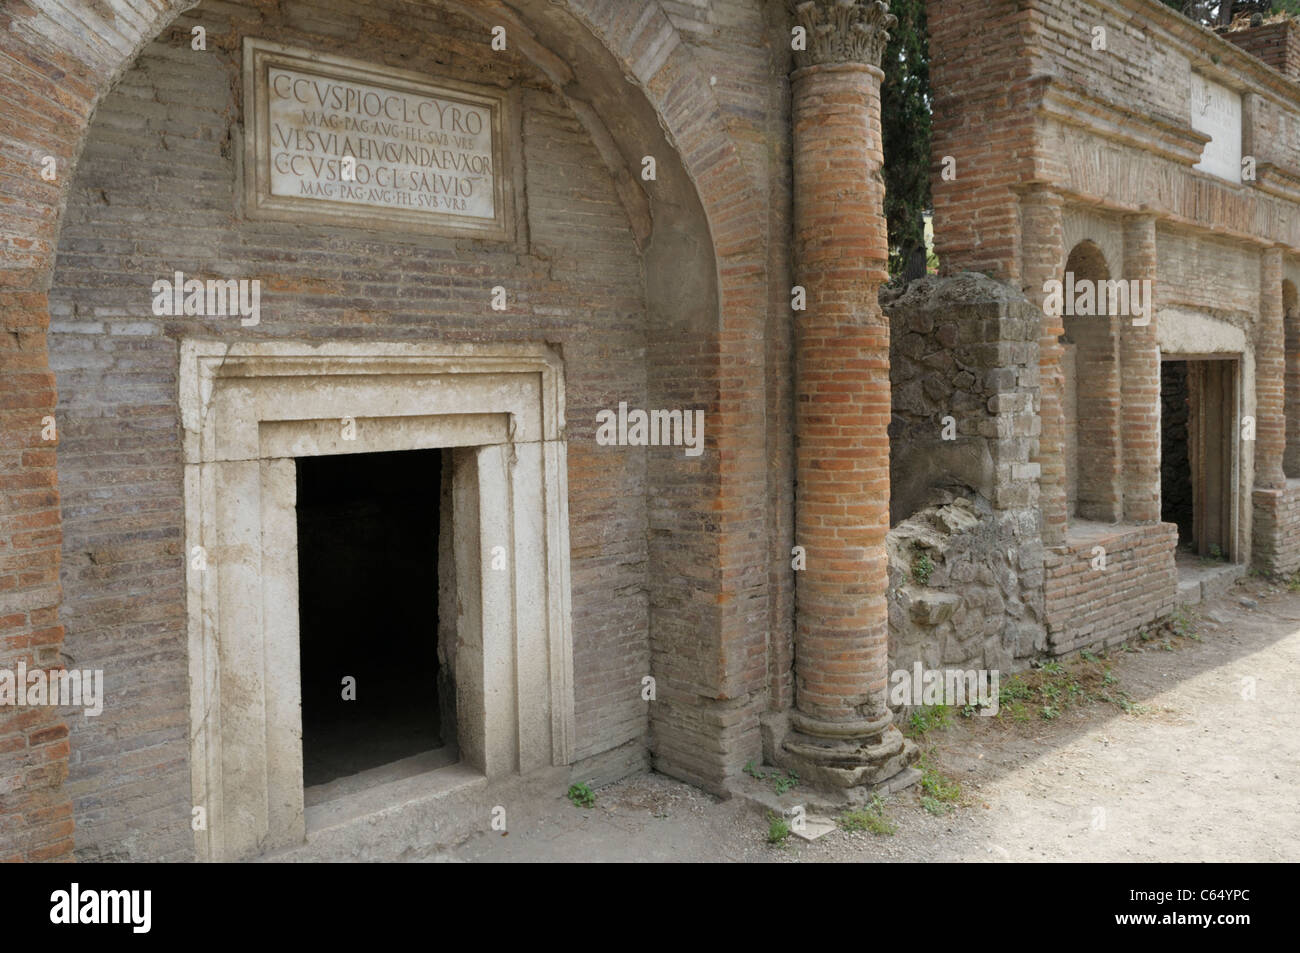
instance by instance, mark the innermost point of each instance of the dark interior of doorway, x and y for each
(368, 609)
(1198, 427)
(1176, 499)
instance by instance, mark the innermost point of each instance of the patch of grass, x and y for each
(937, 785)
(581, 795)
(870, 817)
(1014, 689)
(1183, 622)
(1293, 584)
(935, 807)
(778, 830)
(922, 567)
(1057, 685)
(928, 718)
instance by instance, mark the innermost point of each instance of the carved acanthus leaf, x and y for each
(842, 31)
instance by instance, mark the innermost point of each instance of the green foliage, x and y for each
(778, 830)
(1013, 689)
(928, 718)
(869, 817)
(780, 782)
(783, 784)
(937, 786)
(905, 131)
(581, 795)
(1055, 687)
(1183, 622)
(1216, 12)
(922, 567)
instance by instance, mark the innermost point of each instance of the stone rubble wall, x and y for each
(963, 347)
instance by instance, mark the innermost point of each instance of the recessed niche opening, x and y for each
(378, 699)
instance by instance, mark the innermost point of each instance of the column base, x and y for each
(864, 763)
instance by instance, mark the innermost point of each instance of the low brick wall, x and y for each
(1276, 544)
(1088, 607)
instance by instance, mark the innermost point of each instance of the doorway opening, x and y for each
(374, 692)
(1198, 462)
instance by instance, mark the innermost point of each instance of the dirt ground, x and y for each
(1186, 751)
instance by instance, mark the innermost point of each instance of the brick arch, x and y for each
(61, 75)
(731, 663)
(1086, 259)
(1093, 455)
(1084, 232)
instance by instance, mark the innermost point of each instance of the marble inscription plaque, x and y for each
(1216, 111)
(337, 140)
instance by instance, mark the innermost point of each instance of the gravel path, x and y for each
(1205, 766)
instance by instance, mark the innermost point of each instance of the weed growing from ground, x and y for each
(581, 795)
(778, 830)
(870, 817)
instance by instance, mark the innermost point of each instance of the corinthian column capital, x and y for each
(842, 31)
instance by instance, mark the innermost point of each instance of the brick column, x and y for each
(1270, 375)
(1043, 256)
(1140, 381)
(841, 728)
(1291, 404)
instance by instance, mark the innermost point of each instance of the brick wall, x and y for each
(35, 813)
(1087, 607)
(1276, 546)
(53, 75)
(977, 73)
(1277, 44)
(743, 48)
(1021, 96)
